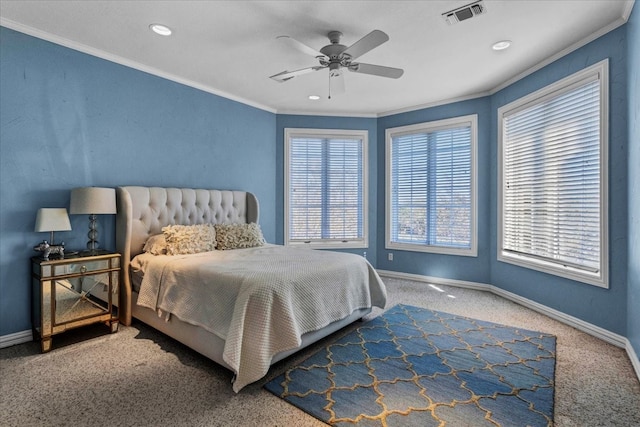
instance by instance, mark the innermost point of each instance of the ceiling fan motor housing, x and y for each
(335, 55)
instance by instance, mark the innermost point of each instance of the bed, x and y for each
(245, 308)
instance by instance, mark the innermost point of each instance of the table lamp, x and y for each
(93, 201)
(52, 219)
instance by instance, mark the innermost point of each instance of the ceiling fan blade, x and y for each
(300, 46)
(288, 75)
(372, 40)
(377, 70)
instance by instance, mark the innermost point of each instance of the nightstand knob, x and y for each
(83, 269)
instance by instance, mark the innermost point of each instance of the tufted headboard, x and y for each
(143, 211)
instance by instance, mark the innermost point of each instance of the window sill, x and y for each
(470, 252)
(595, 279)
(329, 245)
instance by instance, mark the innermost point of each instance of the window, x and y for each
(552, 172)
(326, 188)
(431, 187)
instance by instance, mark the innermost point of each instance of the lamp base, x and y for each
(92, 244)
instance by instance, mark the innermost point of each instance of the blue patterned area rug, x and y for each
(418, 367)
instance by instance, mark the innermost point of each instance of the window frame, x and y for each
(601, 277)
(363, 136)
(431, 126)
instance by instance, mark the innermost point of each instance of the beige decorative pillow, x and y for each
(156, 245)
(189, 239)
(237, 236)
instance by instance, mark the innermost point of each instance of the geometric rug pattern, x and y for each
(417, 367)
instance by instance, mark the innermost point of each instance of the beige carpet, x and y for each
(138, 377)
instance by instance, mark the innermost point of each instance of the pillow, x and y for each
(156, 245)
(189, 239)
(237, 236)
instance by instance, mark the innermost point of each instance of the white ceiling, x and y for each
(230, 48)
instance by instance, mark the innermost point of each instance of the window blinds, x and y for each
(431, 187)
(551, 178)
(325, 189)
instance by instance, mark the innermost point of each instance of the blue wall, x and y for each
(474, 269)
(633, 277)
(69, 119)
(327, 122)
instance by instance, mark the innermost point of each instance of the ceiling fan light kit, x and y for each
(336, 57)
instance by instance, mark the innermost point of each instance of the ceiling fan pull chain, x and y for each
(329, 85)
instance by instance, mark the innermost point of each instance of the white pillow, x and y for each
(156, 245)
(237, 236)
(189, 239)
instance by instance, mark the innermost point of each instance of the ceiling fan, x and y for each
(336, 57)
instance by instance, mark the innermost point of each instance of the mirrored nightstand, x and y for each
(75, 291)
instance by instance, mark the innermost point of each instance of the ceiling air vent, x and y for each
(465, 12)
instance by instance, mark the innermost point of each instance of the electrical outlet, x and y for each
(390, 256)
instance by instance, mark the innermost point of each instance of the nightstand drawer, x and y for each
(72, 266)
(82, 267)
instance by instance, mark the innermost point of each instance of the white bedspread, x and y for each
(259, 300)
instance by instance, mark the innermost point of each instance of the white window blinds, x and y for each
(431, 187)
(552, 178)
(325, 191)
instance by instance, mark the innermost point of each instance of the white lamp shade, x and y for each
(93, 200)
(52, 219)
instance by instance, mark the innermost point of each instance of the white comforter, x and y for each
(259, 300)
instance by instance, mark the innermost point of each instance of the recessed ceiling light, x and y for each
(501, 45)
(314, 97)
(163, 30)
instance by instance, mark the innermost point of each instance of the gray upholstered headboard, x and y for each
(143, 211)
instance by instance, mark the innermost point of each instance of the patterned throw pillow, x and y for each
(156, 245)
(238, 236)
(189, 239)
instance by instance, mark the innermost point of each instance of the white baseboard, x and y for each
(635, 361)
(16, 338)
(434, 280)
(596, 331)
(586, 327)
